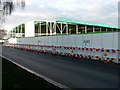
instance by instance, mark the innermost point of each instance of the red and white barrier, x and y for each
(105, 55)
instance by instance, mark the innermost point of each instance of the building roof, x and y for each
(75, 21)
(59, 19)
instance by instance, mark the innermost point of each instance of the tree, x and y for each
(8, 6)
(3, 34)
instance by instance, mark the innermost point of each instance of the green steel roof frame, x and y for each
(67, 20)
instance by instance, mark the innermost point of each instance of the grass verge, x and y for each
(15, 77)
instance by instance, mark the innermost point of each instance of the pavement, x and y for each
(72, 73)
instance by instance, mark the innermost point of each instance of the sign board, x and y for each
(86, 42)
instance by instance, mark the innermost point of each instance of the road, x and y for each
(73, 73)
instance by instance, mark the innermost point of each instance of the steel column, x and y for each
(100, 29)
(93, 29)
(112, 29)
(61, 28)
(106, 30)
(66, 28)
(46, 28)
(55, 27)
(12, 33)
(85, 29)
(16, 32)
(77, 28)
(40, 28)
(21, 30)
(50, 28)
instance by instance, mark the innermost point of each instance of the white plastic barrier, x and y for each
(91, 46)
(97, 53)
(107, 55)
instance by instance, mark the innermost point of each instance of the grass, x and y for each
(15, 77)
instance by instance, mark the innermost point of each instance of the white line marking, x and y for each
(63, 61)
(37, 74)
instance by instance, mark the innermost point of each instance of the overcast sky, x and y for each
(100, 11)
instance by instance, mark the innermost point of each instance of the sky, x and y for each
(100, 11)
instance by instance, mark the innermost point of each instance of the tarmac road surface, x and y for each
(73, 73)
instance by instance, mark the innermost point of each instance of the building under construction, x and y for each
(55, 26)
(68, 37)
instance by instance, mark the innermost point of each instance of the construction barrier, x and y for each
(100, 46)
(105, 55)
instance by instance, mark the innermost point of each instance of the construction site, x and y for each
(68, 37)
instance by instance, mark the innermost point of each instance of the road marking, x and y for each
(37, 74)
(63, 61)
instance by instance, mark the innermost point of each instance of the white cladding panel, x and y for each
(22, 40)
(79, 41)
(54, 40)
(65, 40)
(30, 40)
(116, 40)
(50, 40)
(27, 40)
(96, 40)
(33, 40)
(41, 40)
(87, 39)
(71, 40)
(46, 41)
(36, 40)
(6, 41)
(119, 40)
(29, 29)
(60, 41)
(100, 40)
(12, 40)
(18, 41)
(107, 40)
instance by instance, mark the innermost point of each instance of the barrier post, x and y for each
(45, 48)
(72, 53)
(54, 50)
(105, 57)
